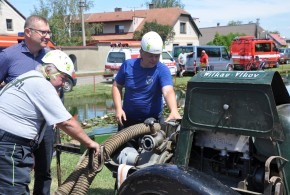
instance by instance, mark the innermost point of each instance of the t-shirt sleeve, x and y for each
(120, 77)
(165, 76)
(46, 99)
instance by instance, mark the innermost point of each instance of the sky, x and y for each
(272, 15)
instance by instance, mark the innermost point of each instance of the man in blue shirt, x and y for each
(19, 59)
(146, 82)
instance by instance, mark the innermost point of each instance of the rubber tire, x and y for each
(170, 179)
(68, 85)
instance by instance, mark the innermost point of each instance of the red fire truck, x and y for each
(250, 53)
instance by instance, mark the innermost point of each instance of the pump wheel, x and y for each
(171, 179)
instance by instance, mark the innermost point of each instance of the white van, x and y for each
(218, 57)
(117, 55)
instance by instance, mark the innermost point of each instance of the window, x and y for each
(211, 52)
(9, 24)
(263, 47)
(225, 54)
(182, 28)
(116, 57)
(119, 29)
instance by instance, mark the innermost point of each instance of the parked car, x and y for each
(284, 55)
(218, 56)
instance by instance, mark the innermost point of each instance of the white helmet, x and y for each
(152, 43)
(61, 61)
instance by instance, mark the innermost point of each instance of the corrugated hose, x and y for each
(79, 181)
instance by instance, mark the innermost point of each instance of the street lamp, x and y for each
(82, 4)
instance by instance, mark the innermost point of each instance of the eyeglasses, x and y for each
(41, 32)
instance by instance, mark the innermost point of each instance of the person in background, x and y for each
(18, 59)
(27, 105)
(145, 80)
(204, 60)
(182, 58)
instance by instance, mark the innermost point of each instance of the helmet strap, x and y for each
(45, 74)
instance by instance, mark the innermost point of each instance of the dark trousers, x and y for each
(16, 162)
(43, 156)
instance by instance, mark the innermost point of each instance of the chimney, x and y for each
(151, 6)
(218, 24)
(118, 9)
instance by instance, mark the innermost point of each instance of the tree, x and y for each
(274, 32)
(224, 40)
(166, 3)
(165, 31)
(65, 20)
(234, 23)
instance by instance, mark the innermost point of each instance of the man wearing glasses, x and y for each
(21, 58)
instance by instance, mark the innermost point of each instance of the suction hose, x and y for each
(79, 181)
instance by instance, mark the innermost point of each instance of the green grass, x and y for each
(103, 183)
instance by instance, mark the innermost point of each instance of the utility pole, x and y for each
(82, 4)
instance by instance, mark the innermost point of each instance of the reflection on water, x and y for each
(97, 106)
(89, 107)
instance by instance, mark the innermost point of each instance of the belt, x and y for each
(9, 137)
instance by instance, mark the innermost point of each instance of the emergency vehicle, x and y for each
(120, 52)
(250, 53)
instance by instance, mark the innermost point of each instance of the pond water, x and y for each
(89, 107)
(97, 106)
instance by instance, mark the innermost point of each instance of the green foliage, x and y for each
(224, 40)
(64, 17)
(274, 32)
(165, 31)
(234, 23)
(166, 3)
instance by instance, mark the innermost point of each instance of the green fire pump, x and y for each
(234, 138)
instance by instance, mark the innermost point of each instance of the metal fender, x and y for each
(171, 179)
(284, 150)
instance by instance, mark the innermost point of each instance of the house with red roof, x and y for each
(120, 25)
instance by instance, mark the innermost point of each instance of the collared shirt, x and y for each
(16, 60)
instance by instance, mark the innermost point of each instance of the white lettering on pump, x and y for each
(217, 74)
(220, 74)
(246, 75)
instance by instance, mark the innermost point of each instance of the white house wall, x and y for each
(190, 38)
(6, 12)
(110, 27)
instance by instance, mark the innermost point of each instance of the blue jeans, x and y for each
(16, 163)
(43, 157)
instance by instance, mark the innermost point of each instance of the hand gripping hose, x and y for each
(79, 181)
